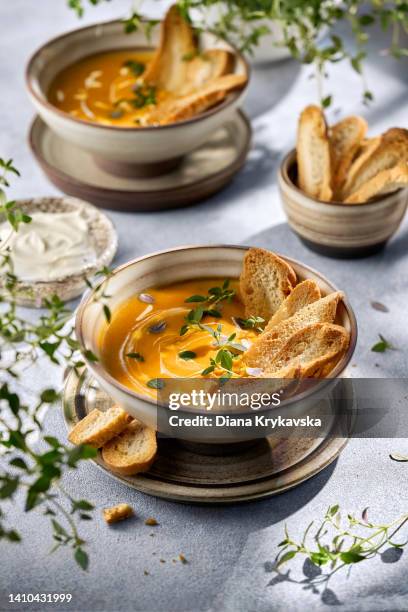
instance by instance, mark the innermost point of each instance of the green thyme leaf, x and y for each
(196, 298)
(156, 383)
(90, 356)
(208, 370)
(136, 67)
(382, 346)
(81, 557)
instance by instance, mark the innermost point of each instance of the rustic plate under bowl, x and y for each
(201, 174)
(202, 473)
(102, 235)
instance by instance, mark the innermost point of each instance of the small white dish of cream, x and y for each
(66, 240)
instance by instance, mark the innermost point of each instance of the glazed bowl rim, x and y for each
(98, 369)
(43, 101)
(287, 164)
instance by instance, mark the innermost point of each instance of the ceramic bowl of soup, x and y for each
(70, 81)
(143, 342)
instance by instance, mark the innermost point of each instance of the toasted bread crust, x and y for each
(117, 513)
(205, 67)
(132, 451)
(313, 154)
(98, 427)
(168, 69)
(382, 183)
(271, 341)
(303, 294)
(265, 281)
(310, 349)
(391, 151)
(345, 139)
(188, 106)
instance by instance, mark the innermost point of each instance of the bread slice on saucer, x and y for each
(99, 427)
(132, 451)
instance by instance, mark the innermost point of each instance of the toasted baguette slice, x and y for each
(271, 341)
(313, 154)
(132, 451)
(392, 150)
(384, 182)
(364, 152)
(310, 349)
(345, 139)
(168, 69)
(117, 513)
(183, 108)
(265, 281)
(99, 427)
(205, 67)
(303, 294)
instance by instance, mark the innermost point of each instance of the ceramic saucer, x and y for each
(201, 174)
(213, 474)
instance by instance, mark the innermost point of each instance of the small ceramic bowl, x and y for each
(145, 151)
(186, 263)
(102, 236)
(335, 229)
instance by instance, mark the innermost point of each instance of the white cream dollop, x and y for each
(52, 246)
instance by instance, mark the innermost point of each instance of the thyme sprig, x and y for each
(228, 351)
(252, 322)
(207, 304)
(30, 461)
(382, 345)
(246, 22)
(335, 544)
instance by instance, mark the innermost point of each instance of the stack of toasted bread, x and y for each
(127, 446)
(300, 339)
(195, 80)
(339, 163)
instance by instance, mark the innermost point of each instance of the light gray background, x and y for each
(227, 548)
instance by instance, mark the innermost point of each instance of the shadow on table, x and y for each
(316, 578)
(269, 85)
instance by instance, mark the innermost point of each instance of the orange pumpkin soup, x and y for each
(107, 88)
(177, 331)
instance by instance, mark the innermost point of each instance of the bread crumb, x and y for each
(151, 521)
(120, 512)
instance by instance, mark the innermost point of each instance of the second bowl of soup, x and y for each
(88, 86)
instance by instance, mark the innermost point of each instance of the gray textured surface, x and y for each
(226, 547)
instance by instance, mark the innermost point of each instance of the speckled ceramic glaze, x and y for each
(116, 145)
(103, 239)
(335, 229)
(202, 173)
(216, 474)
(186, 263)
